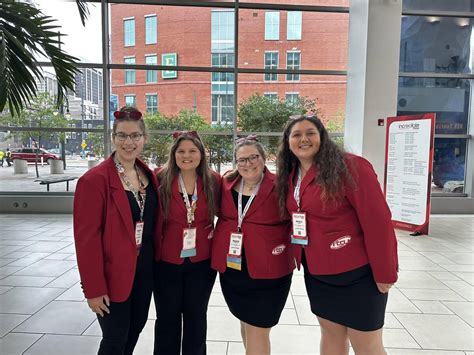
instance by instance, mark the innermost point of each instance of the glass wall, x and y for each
(436, 67)
(287, 56)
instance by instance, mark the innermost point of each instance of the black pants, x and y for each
(182, 295)
(121, 328)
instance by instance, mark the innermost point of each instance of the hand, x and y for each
(99, 304)
(383, 288)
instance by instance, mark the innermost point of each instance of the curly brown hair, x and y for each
(331, 166)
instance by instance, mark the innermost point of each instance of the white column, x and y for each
(372, 76)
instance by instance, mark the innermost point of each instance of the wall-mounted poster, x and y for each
(170, 59)
(408, 170)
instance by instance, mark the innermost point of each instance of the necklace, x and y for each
(140, 194)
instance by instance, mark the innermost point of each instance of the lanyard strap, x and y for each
(140, 195)
(241, 214)
(296, 193)
(190, 206)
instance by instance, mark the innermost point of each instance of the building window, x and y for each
(151, 103)
(272, 25)
(273, 96)
(150, 29)
(222, 27)
(129, 32)
(293, 61)
(151, 75)
(130, 73)
(271, 62)
(130, 100)
(223, 60)
(222, 108)
(292, 97)
(293, 29)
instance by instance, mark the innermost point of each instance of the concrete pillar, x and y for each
(372, 78)
(56, 167)
(20, 166)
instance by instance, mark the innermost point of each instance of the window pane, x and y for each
(151, 103)
(129, 32)
(130, 100)
(272, 25)
(129, 73)
(439, 5)
(448, 98)
(344, 3)
(323, 44)
(271, 62)
(293, 60)
(83, 42)
(436, 44)
(151, 75)
(294, 23)
(449, 163)
(150, 29)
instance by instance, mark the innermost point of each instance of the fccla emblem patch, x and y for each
(341, 242)
(278, 249)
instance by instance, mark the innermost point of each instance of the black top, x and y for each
(146, 256)
(245, 199)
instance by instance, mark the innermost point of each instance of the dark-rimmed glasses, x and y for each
(122, 137)
(252, 159)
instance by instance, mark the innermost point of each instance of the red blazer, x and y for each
(362, 214)
(266, 236)
(172, 232)
(104, 232)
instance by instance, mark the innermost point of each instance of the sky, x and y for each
(82, 42)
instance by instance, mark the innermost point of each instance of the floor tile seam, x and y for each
(460, 293)
(65, 272)
(461, 318)
(90, 325)
(294, 304)
(37, 340)
(408, 332)
(411, 302)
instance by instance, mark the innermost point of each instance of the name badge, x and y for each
(139, 235)
(189, 242)
(234, 257)
(299, 235)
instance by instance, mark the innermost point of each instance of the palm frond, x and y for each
(26, 32)
(83, 10)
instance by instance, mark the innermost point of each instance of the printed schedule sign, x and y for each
(408, 168)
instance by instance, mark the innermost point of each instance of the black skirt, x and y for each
(258, 302)
(351, 298)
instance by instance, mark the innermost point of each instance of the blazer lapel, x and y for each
(265, 189)
(120, 199)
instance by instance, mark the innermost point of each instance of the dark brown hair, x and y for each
(171, 170)
(127, 118)
(331, 167)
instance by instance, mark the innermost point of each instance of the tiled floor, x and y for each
(42, 309)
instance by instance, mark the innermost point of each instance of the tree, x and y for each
(262, 114)
(26, 32)
(41, 113)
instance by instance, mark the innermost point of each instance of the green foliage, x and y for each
(156, 151)
(26, 32)
(262, 114)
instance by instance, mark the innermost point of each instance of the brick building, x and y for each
(204, 37)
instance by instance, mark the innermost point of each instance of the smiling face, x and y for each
(187, 155)
(304, 141)
(129, 149)
(251, 171)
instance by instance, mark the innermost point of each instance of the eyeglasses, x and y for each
(295, 117)
(252, 159)
(134, 115)
(122, 137)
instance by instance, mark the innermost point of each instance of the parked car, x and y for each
(29, 154)
(57, 151)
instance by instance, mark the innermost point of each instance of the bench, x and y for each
(53, 180)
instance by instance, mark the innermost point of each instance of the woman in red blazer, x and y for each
(342, 233)
(250, 248)
(115, 209)
(183, 275)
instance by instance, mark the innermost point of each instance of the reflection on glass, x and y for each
(436, 44)
(449, 164)
(439, 5)
(448, 98)
(343, 3)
